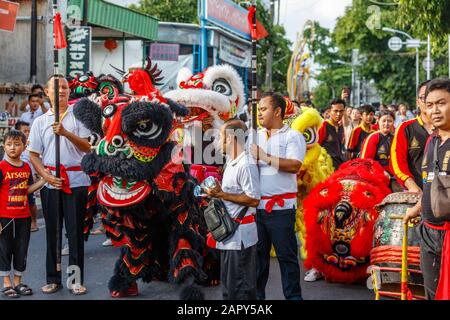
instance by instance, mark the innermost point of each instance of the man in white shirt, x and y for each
(239, 191)
(73, 182)
(280, 151)
(44, 105)
(34, 112)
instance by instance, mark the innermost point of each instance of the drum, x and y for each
(386, 255)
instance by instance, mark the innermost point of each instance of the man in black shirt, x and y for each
(435, 232)
(331, 133)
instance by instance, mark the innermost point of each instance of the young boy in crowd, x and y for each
(15, 217)
(361, 132)
(24, 127)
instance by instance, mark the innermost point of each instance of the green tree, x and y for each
(423, 17)
(392, 72)
(334, 73)
(282, 53)
(169, 10)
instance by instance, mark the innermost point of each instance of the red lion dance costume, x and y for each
(339, 216)
(143, 191)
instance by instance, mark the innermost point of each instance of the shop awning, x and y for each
(112, 16)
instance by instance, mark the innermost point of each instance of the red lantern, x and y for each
(110, 44)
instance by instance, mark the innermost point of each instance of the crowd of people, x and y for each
(260, 177)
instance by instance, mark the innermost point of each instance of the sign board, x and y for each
(413, 43)
(8, 15)
(164, 51)
(234, 54)
(7, 121)
(228, 15)
(425, 64)
(78, 50)
(395, 43)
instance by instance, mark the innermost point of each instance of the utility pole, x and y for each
(204, 36)
(33, 34)
(84, 22)
(428, 58)
(269, 58)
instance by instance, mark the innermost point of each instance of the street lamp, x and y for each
(415, 43)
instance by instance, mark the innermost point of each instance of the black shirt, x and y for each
(332, 139)
(428, 174)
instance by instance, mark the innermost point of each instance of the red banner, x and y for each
(8, 15)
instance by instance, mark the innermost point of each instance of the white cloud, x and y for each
(294, 13)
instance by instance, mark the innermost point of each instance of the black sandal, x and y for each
(23, 290)
(10, 293)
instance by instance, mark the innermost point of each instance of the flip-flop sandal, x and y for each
(51, 288)
(78, 290)
(10, 293)
(23, 290)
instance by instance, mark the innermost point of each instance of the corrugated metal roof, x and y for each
(109, 15)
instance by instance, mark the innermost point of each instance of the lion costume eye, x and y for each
(310, 135)
(109, 110)
(222, 86)
(147, 129)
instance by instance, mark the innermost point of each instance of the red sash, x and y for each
(277, 199)
(443, 288)
(210, 242)
(66, 183)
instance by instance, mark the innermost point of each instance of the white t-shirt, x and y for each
(286, 143)
(42, 141)
(29, 116)
(241, 176)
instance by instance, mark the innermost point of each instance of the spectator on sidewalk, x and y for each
(11, 107)
(43, 104)
(24, 127)
(15, 218)
(34, 112)
(331, 133)
(361, 132)
(403, 114)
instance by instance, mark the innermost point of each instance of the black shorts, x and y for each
(31, 199)
(14, 241)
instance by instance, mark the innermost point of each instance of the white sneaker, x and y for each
(65, 250)
(313, 275)
(107, 243)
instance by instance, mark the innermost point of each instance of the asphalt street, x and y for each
(99, 262)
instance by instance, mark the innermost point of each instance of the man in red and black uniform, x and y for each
(408, 146)
(331, 133)
(361, 132)
(435, 232)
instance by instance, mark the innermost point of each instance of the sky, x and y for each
(294, 13)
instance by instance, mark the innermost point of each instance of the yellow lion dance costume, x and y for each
(316, 167)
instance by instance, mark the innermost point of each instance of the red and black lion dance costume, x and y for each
(144, 193)
(339, 215)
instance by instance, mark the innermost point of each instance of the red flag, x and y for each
(58, 33)
(260, 32)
